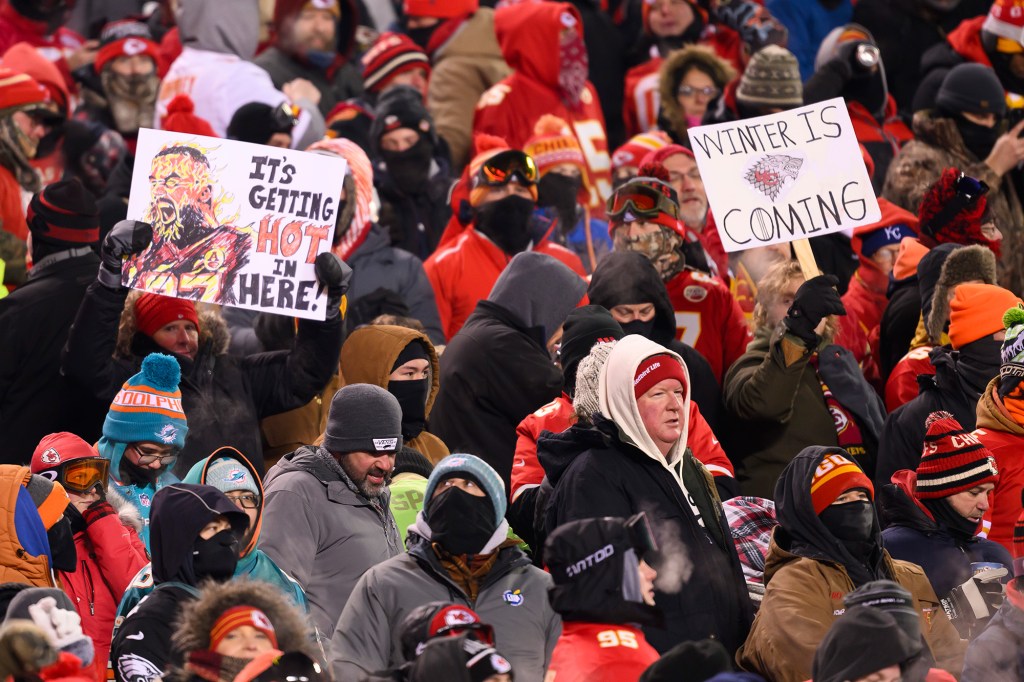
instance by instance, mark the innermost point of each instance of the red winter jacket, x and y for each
(462, 274)
(600, 652)
(1004, 437)
(882, 140)
(558, 415)
(56, 46)
(110, 553)
(709, 319)
(529, 38)
(902, 386)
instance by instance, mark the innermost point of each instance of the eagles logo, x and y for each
(135, 668)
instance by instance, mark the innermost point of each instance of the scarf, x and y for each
(850, 437)
(468, 575)
(1014, 404)
(131, 99)
(572, 73)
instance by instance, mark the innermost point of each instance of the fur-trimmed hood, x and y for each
(197, 617)
(965, 264)
(670, 116)
(213, 330)
(939, 131)
(127, 513)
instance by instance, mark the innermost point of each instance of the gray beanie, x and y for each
(587, 399)
(771, 79)
(364, 418)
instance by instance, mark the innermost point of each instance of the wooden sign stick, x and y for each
(804, 256)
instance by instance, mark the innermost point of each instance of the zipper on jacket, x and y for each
(92, 589)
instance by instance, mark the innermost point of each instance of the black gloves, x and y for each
(815, 300)
(334, 274)
(127, 238)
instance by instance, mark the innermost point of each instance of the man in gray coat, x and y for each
(459, 552)
(326, 519)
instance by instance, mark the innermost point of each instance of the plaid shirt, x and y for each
(751, 521)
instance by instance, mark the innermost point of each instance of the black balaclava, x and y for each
(642, 327)
(584, 327)
(138, 475)
(978, 139)
(410, 168)
(460, 522)
(412, 395)
(506, 222)
(216, 557)
(978, 363)
(560, 191)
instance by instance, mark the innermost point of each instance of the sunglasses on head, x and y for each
(504, 167)
(641, 201)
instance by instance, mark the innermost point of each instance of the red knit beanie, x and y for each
(153, 312)
(834, 476)
(181, 118)
(655, 369)
(391, 55)
(953, 460)
(442, 9)
(240, 616)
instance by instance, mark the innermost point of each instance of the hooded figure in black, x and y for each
(182, 559)
(843, 654)
(413, 183)
(628, 278)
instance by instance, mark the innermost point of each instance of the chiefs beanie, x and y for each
(953, 460)
(834, 476)
(153, 312)
(391, 55)
(64, 214)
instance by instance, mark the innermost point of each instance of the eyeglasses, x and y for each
(148, 456)
(82, 475)
(642, 201)
(708, 92)
(246, 501)
(504, 167)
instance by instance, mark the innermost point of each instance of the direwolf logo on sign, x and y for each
(770, 174)
(385, 444)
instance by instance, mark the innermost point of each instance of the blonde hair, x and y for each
(771, 287)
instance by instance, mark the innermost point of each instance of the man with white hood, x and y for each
(458, 551)
(628, 454)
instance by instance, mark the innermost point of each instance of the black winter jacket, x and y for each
(35, 400)
(224, 397)
(595, 474)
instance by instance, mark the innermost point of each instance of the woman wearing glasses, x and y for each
(691, 80)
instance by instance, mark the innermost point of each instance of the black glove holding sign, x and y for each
(815, 300)
(126, 238)
(334, 274)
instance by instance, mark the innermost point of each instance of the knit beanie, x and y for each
(1011, 371)
(126, 38)
(654, 370)
(771, 79)
(227, 474)
(414, 350)
(976, 311)
(1005, 20)
(470, 466)
(637, 147)
(181, 118)
(553, 143)
(64, 214)
(953, 460)
(444, 9)
(1018, 544)
(22, 92)
(891, 597)
(834, 476)
(409, 461)
(584, 327)
(963, 264)
(951, 210)
(973, 88)
(586, 399)
(689, 662)
(49, 497)
(350, 120)
(364, 418)
(401, 107)
(53, 611)
(885, 236)
(241, 616)
(391, 55)
(60, 448)
(462, 657)
(426, 622)
(257, 122)
(153, 312)
(147, 409)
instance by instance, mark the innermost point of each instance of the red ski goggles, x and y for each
(642, 201)
(504, 167)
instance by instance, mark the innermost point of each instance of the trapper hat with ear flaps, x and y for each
(964, 264)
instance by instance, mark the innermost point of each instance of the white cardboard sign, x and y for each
(793, 175)
(234, 223)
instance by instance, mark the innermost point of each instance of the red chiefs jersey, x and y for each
(529, 40)
(600, 652)
(1005, 509)
(709, 319)
(641, 100)
(902, 386)
(464, 273)
(558, 415)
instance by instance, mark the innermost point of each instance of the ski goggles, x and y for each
(504, 167)
(642, 201)
(82, 475)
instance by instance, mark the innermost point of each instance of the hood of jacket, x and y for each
(214, 336)
(225, 26)
(359, 168)
(370, 352)
(475, 37)
(911, 253)
(618, 403)
(897, 505)
(24, 58)
(528, 34)
(800, 531)
(538, 291)
(965, 40)
(939, 131)
(993, 415)
(180, 511)
(24, 533)
(197, 475)
(198, 616)
(285, 12)
(672, 70)
(629, 278)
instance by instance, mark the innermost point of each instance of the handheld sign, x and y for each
(785, 177)
(234, 223)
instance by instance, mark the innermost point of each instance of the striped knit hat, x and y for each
(834, 476)
(240, 616)
(637, 147)
(392, 54)
(147, 409)
(553, 143)
(953, 460)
